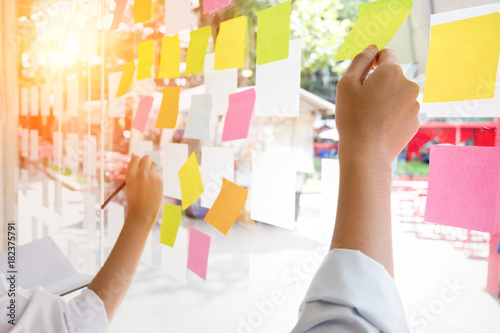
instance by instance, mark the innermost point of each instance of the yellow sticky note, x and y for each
(273, 33)
(230, 44)
(170, 221)
(377, 23)
(169, 108)
(170, 59)
(198, 43)
(128, 70)
(190, 180)
(463, 60)
(227, 206)
(142, 10)
(145, 55)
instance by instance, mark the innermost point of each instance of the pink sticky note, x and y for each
(214, 5)
(142, 114)
(238, 116)
(199, 245)
(118, 13)
(464, 184)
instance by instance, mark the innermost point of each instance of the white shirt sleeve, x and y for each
(351, 293)
(39, 311)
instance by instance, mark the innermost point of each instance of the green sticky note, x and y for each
(378, 22)
(273, 33)
(170, 222)
(195, 57)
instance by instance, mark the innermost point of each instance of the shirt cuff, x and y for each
(86, 313)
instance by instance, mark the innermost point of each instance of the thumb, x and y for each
(362, 63)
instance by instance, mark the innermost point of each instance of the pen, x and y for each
(113, 195)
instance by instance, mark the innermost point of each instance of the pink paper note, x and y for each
(239, 115)
(199, 245)
(464, 185)
(142, 114)
(118, 13)
(214, 5)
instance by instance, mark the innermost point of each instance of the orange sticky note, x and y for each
(198, 43)
(190, 180)
(230, 45)
(227, 206)
(169, 108)
(142, 10)
(145, 55)
(170, 59)
(128, 70)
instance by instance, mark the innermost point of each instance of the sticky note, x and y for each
(90, 40)
(56, 147)
(145, 56)
(197, 48)
(239, 115)
(198, 118)
(170, 222)
(219, 84)
(116, 106)
(72, 93)
(214, 5)
(89, 154)
(464, 184)
(58, 99)
(190, 180)
(199, 247)
(216, 164)
(33, 145)
(473, 45)
(273, 33)
(128, 70)
(170, 59)
(230, 44)
(169, 108)
(118, 13)
(71, 154)
(25, 142)
(34, 101)
(174, 259)
(115, 218)
(44, 100)
(142, 10)
(227, 206)
(277, 85)
(273, 189)
(377, 23)
(177, 16)
(174, 156)
(142, 113)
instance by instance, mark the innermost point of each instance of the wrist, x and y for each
(138, 219)
(357, 157)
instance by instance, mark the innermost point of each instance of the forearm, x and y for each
(364, 208)
(113, 280)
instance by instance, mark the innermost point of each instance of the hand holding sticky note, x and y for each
(378, 22)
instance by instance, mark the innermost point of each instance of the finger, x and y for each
(133, 163)
(362, 63)
(145, 162)
(388, 56)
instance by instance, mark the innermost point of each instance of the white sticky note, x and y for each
(277, 85)
(34, 145)
(89, 146)
(25, 142)
(115, 218)
(329, 190)
(24, 181)
(44, 100)
(173, 157)
(273, 189)
(141, 147)
(89, 221)
(58, 99)
(24, 101)
(116, 104)
(34, 101)
(177, 16)
(174, 259)
(72, 96)
(56, 147)
(216, 163)
(198, 118)
(220, 84)
(90, 41)
(156, 158)
(71, 157)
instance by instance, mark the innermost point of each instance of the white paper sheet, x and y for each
(58, 99)
(34, 145)
(44, 100)
(173, 157)
(72, 96)
(89, 221)
(34, 101)
(329, 190)
(220, 84)
(89, 154)
(71, 158)
(56, 147)
(24, 101)
(216, 163)
(474, 108)
(198, 118)
(174, 259)
(24, 182)
(116, 218)
(273, 189)
(277, 85)
(25, 142)
(45, 192)
(116, 104)
(58, 197)
(141, 147)
(90, 41)
(177, 16)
